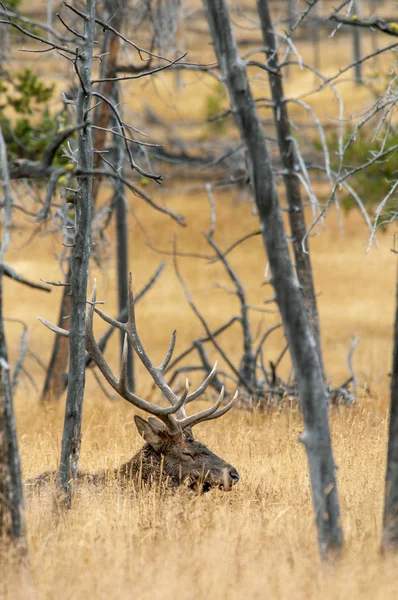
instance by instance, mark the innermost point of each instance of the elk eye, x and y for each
(188, 454)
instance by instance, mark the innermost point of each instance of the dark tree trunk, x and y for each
(390, 520)
(12, 524)
(356, 41)
(11, 496)
(71, 439)
(103, 114)
(290, 168)
(113, 9)
(122, 246)
(56, 376)
(308, 372)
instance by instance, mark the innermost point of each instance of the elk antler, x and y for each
(174, 416)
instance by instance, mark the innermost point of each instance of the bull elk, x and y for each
(171, 455)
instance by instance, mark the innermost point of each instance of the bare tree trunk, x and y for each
(110, 50)
(356, 40)
(390, 518)
(56, 381)
(122, 245)
(110, 89)
(308, 372)
(291, 9)
(56, 376)
(316, 40)
(287, 153)
(12, 524)
(79, 273)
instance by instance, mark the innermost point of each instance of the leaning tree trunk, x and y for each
(390, 520)
(288, 156)
(308, 372)
(79, 273)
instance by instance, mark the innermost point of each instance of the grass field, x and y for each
(259, 540)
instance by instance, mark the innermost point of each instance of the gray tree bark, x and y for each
(308, 372)
(56, 375)
(288, 156)
(356, 48)
(71, 439)
(390, 517)
(12, 523)
(122, 246)
(115, 10)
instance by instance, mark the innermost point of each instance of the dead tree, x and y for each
(356, 44)
(390, 517)
(71, 438)
(82, 168)
(290, 167)
(308, 372)
(12, 524)
(55, 382)
(12, 521)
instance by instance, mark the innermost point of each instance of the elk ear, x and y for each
(151, 431)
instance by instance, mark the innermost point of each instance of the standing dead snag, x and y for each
(288, 156)
(12, 525)
(308, 372)
(390, 517)
(71, 438)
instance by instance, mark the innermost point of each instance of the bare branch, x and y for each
(389, 26)
(143, 74)
(10, 272)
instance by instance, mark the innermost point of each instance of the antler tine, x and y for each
(203, 386)
(131, 306)
(165, 414)
(169, 353)
(155, 372)
(100, 313)
(123, 365)
(183, 400)
(54, 328)
(209, 413)
(194, 419)
(224, 409)
(109, 320)
(92, 346)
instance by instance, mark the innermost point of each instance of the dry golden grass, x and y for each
(259, 540)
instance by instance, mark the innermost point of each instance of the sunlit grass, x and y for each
(258, 541)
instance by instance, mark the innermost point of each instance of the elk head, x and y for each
(186, 460)
(169, 436)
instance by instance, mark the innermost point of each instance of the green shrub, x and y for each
(374, 182)
(29, 132)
